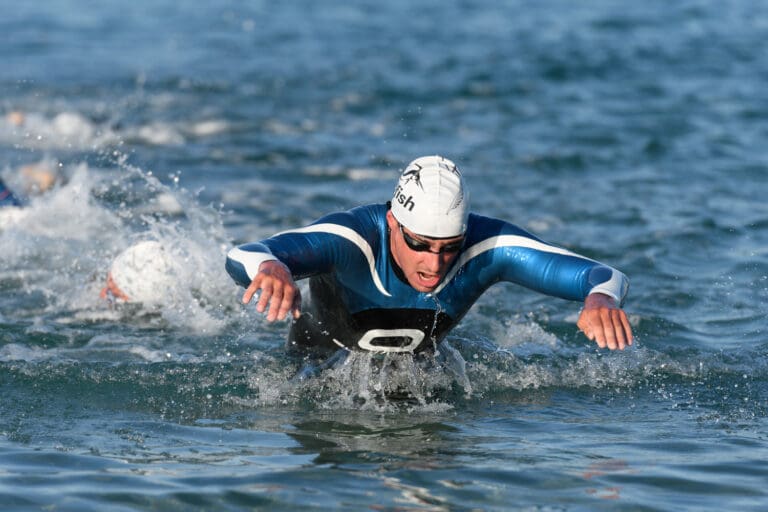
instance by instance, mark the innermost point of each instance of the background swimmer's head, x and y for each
(15, 117)
(40, 176)
(142, 273)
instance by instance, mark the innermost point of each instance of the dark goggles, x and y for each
(422, 246)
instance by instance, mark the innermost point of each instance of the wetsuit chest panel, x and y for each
(400, 330)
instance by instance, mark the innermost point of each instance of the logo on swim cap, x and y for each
(430, 199)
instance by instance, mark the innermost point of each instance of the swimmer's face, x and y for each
(423, 260)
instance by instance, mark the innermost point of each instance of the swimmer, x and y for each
(11, 207)
(143, 273)
(16, 117)
(39, 176)
(397, 277)
(7, 197)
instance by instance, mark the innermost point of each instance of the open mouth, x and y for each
(428, 280)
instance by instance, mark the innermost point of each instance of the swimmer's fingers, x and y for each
(250, 292)
(266, 296)
(257, 287)
(276, 289)
(290, 303)
(284, 299)
(615, 324)
(610, 331)
(621, 328)
(604, 323)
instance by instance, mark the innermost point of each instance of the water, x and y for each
(633, 133)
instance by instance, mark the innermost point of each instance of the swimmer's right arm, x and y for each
(255, 268)
(276, 288)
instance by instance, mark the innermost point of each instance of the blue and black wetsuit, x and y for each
(360, 299)
(6, 196)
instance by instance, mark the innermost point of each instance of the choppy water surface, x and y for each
(631, 133)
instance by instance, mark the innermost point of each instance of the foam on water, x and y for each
(262, 376)
(60, 245)
(67, 130)
(71, 130)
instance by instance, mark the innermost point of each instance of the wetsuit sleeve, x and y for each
(333, 241)
(243, 262)
(7, 198)
(563, 274)
(609, 281)
(504, 252)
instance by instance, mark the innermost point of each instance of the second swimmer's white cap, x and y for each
(143, 272)
(430, 198)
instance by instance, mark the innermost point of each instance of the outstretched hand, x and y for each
(603, 322)
(277, 288)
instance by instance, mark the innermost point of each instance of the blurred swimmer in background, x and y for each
(7, 197)
(142, 273)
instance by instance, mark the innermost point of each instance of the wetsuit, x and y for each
(6, 196)
(360, 299)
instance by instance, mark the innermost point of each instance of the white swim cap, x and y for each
(430, 199)
(143, 272)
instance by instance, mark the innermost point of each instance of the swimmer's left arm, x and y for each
(604, 288)
(531, 262)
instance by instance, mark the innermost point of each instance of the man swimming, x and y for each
(397, 277)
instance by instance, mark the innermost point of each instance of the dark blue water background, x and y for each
(634, 133)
